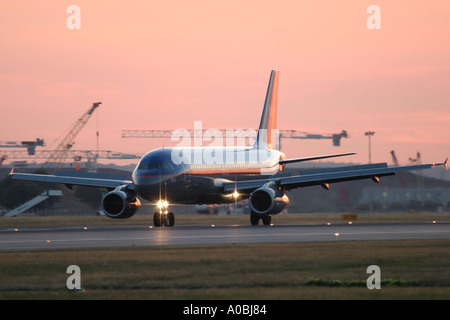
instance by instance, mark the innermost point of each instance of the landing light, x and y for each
(162, 204)
(235, 194)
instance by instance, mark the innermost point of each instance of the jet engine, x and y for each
(120, 204)
(268, 199)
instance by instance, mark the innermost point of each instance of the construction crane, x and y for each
(416, 160)
(76, 155)
(394, 158)
(419, 175)
(400, 176)
(58, 156)
(30, 145)
(283, 134)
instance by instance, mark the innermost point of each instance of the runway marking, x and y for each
(229, 236)
(198, 235)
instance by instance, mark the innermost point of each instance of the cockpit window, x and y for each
(157, 160)
(168, 165)
(154, 165)
(150, 165)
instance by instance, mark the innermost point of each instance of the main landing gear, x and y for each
(255, 217)
(163, 216)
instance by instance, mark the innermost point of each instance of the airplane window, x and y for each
(142, 165)
(168, 165)
(145, 165)
(154, 165)
(160, 160)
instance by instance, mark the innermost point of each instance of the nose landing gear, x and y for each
(163, 216)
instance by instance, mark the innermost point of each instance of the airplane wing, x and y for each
(326, 176)
(70, 181)
(286, 161)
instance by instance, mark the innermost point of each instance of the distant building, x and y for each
(408, 198)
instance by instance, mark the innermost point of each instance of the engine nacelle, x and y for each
(120, 204)
(268, 199)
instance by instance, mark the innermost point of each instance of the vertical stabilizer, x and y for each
(267, 133)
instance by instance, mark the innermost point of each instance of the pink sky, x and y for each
(163, 65)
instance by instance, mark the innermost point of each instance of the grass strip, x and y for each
(336, 270)
(181, 219)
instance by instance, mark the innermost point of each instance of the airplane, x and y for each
(202, 175)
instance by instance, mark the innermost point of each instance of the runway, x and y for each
(44, 238)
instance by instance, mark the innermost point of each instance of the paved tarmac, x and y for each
(58, 237)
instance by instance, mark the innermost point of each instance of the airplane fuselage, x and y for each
(195, 175)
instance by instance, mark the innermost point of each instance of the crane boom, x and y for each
(283, 134)
(30, 145)
(59, 155)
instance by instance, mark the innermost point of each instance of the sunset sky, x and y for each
(166, 64)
